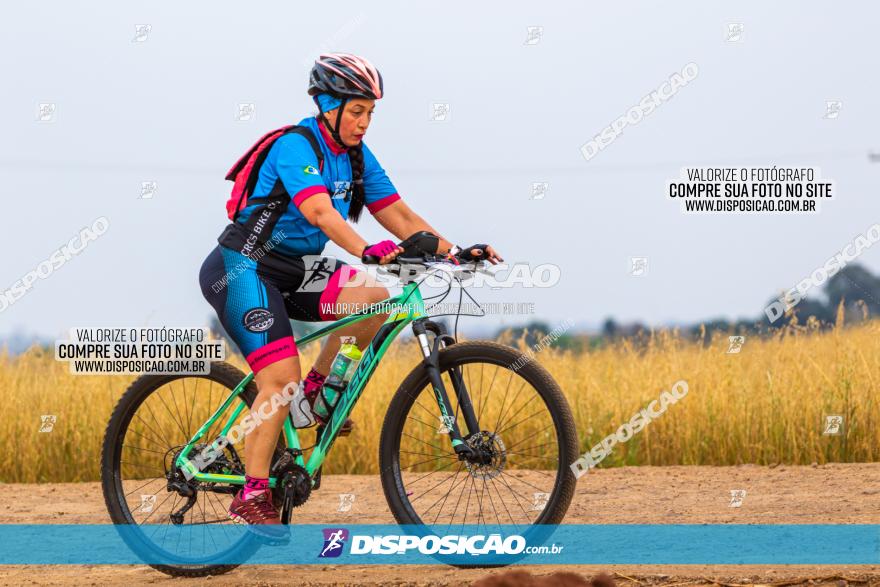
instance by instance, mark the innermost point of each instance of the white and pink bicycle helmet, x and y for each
(345, 76)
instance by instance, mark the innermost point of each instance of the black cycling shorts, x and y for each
(255, 299)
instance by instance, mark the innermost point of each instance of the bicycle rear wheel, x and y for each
(154, 419)
(524, 421)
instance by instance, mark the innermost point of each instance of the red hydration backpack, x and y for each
(246, 170)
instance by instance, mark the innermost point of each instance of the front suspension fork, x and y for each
(430, 353)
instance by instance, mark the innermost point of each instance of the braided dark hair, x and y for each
(356, 157)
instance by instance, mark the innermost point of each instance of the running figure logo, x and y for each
(316, 275)
(346, 500)
(833, 425)
(736, 344)
(334, 540)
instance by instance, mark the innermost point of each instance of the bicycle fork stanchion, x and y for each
(432, 364)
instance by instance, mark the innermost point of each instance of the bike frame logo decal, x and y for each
(358, 381)
(334, 542)
(362, 369)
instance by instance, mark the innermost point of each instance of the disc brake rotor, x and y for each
(491, 446)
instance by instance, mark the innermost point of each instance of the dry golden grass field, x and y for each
(764, 405)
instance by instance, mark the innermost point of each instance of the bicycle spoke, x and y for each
(153, 469)
(142, 486)
(467, 506)
(443, 499)
(183, 418)
(515, 494)
(516, 413)
(447, 494)
(160, 435)
(503, 502)
(142, 436)
(541, 489)
(542, 473)
(479, 502)
(452, 518)
(521, 421)
(427, 411)
(176, 420)
(424, 442)
(550, 425)
(208, 502)
(503, 411)
(426, 461)
(156, 508)
(420, 422)
(163, 453)
(192, 407)
(542, 458)
(485, 400)
(424, 454)
(491, 501)
(537, 446)
(427, 475)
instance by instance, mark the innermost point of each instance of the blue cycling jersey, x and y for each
(292, 162)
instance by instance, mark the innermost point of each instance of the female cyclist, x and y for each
(293, 192)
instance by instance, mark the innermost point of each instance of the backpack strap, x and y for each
(313, 141)
(246, 170)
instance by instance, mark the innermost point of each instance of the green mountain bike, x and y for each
(478, 432)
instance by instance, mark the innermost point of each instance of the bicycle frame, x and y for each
(412, 308)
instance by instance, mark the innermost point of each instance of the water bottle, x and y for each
(300, 410)
(343, 367)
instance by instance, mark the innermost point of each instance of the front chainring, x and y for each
(292, 487)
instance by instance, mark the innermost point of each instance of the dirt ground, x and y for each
(834, 493)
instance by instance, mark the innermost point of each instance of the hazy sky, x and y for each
(163, 109)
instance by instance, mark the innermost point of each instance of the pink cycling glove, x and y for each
(380, 249)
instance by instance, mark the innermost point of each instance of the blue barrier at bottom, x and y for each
(808, 544)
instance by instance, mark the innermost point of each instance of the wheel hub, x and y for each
(491, 455)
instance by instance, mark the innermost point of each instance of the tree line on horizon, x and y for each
(853, 294)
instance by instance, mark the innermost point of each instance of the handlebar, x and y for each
(427, 261)
(421, 260)
(400, 259)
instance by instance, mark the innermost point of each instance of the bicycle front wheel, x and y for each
(525, 423)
